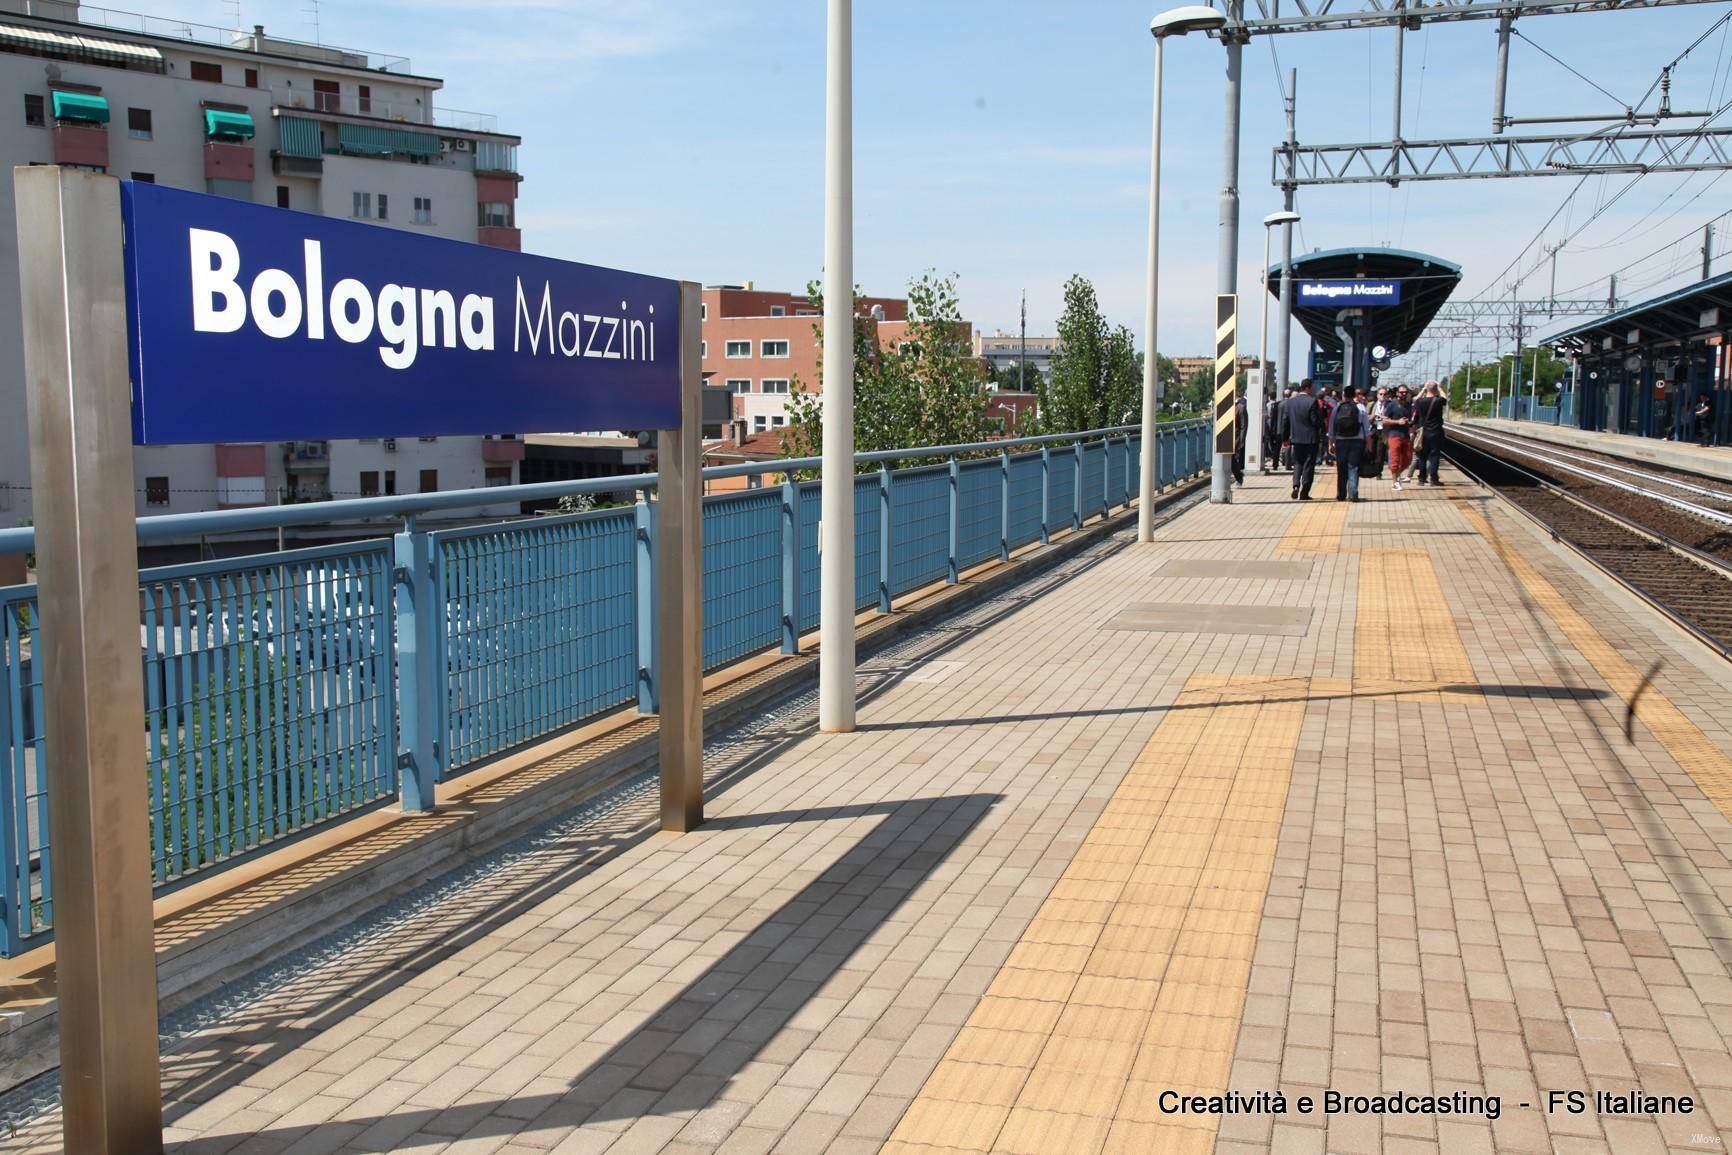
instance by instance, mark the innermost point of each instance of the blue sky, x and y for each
(1007, 141)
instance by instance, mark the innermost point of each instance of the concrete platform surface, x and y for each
(1465, 842)
(1714, 461)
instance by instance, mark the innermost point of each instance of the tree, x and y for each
(928, 390)
(1011, 376)
(1097, 374)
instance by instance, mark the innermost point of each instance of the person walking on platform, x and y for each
(1326, 400)
(1377, 451)
(1704, 420)
(1428, 425)
(1302, 426)
(1397, 437)
(1272, 433)
(1348, 429)
(1241, 432)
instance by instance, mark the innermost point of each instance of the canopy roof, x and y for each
(1664, 320)
(1426, 283)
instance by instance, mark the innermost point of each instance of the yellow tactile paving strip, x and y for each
(1132, 976)
(1699, 757)
(1316, 528)
(1403, 629)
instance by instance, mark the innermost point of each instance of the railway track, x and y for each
(1671, 547)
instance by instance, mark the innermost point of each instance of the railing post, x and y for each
(416, 679)
(790, 566)
(1106, 476)
(885, 540)
(1045, 492)
(1076, 490)
(1004, 505)
(951, 570)
(645, 606)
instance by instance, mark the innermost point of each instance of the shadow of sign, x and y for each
(687, 1053)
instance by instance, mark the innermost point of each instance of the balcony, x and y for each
(307, 456)
(500, 237)
(224, 160)
(81, 144)
(500, 450)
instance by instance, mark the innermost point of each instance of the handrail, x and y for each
(407, 507)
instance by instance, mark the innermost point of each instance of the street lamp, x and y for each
(1176, 22)
(1254, 436)
(836, 525)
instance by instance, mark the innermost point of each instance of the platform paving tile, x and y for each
(1427, 847)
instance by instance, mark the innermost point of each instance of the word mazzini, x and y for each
(406, 319)
(1332, 1102)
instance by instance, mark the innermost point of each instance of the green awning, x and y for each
(222, 125)
(80, 106)
(300, 136)
(378, 140)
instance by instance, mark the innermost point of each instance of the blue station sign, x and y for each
(1348, 294)
(251, 323)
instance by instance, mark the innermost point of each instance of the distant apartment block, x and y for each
(1188, 366)
(258, 118)
(761, 347)
(1003, 350)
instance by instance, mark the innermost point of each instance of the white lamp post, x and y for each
(836, 567)
(1177, 22)
(1255, 409)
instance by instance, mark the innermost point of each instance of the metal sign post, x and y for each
(680, 585)
(71, 258)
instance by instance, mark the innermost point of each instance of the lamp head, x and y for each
(1284, 217)
(1190, 18)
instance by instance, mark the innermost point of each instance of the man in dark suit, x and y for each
(1302, 427)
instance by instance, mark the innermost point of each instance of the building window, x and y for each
(498, 475)
(739, 384)
(428, 440)
(390, 483)
(369, 483)
(429, 481)
(144, 177)
(364, 102)
(759, 423)
(423, 211)
(703, 307)
(363, 204)
(138, 123)
(252, 78)
(773, 385)
(207, 71)
(703, 350)
(35, 115)
(156, 491)
(774, 349)
(778, 311)
(496, 215)
(738, 349)
(805, 312)
(282, 196)
(778, 422)
(327, 96)
(382, 207)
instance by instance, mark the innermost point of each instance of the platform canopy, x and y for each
(1697, 310)
(1426, 283)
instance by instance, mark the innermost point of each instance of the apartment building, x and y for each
(761, 346)
(1003, 350)
(1186, 367)
(259, 118)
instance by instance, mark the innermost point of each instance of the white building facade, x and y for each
(246, 115)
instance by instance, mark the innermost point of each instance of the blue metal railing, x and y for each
(288, 690)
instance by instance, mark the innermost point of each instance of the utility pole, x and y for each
(1022, 349)
(1289, 191)
(1516, 371)
(1707, 249)
(1227, 259)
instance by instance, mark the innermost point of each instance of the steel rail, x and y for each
(1703, 490)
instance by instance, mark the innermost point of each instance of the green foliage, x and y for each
(575, 503)
(1007, 377)
(1498, 374)
(928, 390)
(1097, 374)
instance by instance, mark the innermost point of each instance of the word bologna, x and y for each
(403, 319)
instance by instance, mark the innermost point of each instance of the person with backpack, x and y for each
(1272, 432)
(1347, 429)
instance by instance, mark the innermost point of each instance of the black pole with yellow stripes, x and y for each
(1226, 369)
